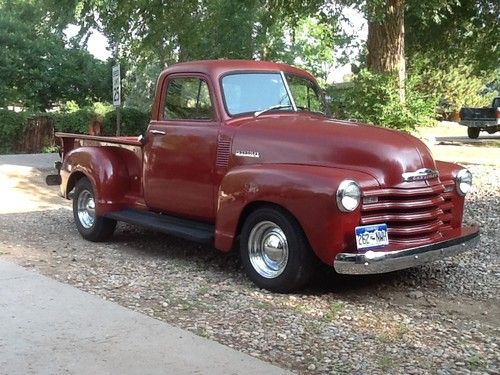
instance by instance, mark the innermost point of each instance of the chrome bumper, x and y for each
(373, 262)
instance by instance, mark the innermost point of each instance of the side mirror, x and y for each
(142, 139)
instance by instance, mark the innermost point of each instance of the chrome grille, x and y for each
(412, 216)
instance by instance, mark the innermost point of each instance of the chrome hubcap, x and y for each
(268, 249)
(86, 209)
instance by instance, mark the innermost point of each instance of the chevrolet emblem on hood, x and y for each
(420, 175)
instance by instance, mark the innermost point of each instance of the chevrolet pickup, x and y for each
(240, 155)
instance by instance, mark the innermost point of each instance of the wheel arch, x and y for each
(255, 205)
(73, 180)
(307, 193)
(106, 171)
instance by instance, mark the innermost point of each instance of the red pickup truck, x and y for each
(242, 154)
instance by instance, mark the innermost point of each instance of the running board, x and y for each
(188, 229)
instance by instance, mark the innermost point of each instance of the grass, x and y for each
(386, 363)
(313, 327)
(204, 289)
(342, 368)
(333, 311)
(202, 331)
(265, 305)
(393, 334)
(476, 362)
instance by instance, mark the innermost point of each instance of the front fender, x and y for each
(105, 169)
(307, 192)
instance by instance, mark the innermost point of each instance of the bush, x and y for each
(72, 120)
(133, 122)
(374, 98)
(455, 85)
(11, 130)
(76, 121)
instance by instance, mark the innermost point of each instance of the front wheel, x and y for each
(274, 251)
(91, 227)
(473, 133)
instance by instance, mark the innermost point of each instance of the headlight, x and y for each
(348, 196)
(464, 181)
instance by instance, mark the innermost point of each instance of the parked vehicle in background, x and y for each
(240, 154)
(481, 119)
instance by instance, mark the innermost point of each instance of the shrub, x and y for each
(11, 129)
(374, 98)
(133, 122)
(457, 85)
(76, 121)
(71, 120)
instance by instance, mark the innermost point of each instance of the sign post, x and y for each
(117, 95)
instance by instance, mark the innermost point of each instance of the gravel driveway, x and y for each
(442, 318)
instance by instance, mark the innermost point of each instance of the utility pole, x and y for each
(117, 92)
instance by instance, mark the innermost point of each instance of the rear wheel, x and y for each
(274, 251)
(91, 227)
(473, 133)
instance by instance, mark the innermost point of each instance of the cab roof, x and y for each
(217, 68)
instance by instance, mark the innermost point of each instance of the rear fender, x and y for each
(106, 171)
(307, 192)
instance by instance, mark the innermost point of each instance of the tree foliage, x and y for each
(439, 40)
(37, 70)
(463, 30)
(374, 98)
(456, 85)
(455, 49)
(195, 29)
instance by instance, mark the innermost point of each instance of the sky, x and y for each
(97, 44)
(358, 27)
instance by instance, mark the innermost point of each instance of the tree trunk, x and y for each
(385, 43)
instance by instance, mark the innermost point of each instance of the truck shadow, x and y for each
(484, 140)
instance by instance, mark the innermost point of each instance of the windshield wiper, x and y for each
(277, 106)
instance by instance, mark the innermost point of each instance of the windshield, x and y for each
(262, 92)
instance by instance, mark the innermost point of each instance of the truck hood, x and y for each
(316, 140)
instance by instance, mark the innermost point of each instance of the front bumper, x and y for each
(373, 262)
(479, 123)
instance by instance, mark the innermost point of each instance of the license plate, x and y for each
(370, 236)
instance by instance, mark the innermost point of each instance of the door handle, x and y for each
(157, 132)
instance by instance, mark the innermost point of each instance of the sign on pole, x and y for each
(117, 97)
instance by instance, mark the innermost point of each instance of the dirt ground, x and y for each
(449, 142)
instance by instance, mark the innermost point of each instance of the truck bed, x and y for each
(131, 141)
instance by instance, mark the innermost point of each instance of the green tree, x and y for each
(139, 85)
(313, 46)
(37, 70)
(456, 51)
(190, 29)
(466, 31)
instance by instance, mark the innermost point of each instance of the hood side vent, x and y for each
(223, 151)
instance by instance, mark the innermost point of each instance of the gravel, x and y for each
(439, 318)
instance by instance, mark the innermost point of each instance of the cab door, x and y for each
(180, 150)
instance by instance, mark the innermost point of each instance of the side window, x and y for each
(188, 99)
(305, 94)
